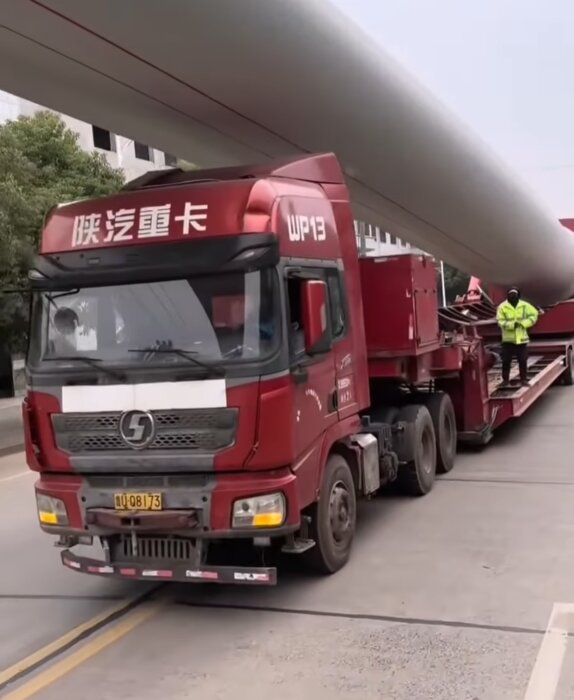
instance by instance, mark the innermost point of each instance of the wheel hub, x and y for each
(340, 515)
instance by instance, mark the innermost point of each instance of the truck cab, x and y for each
(197, 373)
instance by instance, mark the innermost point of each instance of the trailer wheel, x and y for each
(333, 518)
(417, 477)
(443, 418)
(568, 374)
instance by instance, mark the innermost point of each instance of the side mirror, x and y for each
(314, 299)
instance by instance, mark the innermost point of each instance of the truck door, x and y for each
(313, 378)
(345, 367)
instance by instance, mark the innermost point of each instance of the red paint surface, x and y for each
(245, 399)
(219, 220)
(41, 451)
(273, 446)
(400, 305)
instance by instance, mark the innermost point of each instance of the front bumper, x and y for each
(194, 505)
(177, 571)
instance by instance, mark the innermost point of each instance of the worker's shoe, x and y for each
(524, 382)
(505, 384)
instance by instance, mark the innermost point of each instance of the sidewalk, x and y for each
(11, 436)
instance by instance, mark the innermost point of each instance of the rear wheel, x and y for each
(417, 477)
(444, 422)
(333, 518)
(386, 415)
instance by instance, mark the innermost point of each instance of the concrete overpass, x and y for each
(222, 81)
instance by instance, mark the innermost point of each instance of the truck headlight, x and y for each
(51, 511)
(259, 511)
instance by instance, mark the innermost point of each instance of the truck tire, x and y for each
(333, 518)
(443, 418)
(387, 415)
(417, 477)
(568, 374)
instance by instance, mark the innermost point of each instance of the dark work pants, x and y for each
(509, 351)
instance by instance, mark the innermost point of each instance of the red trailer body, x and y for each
(215, 375)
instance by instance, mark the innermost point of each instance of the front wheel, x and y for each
(333, 518)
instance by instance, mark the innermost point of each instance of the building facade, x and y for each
(373, 241)
(132, 157)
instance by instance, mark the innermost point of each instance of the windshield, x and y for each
(218, 318)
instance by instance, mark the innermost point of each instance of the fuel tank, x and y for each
(230, 82)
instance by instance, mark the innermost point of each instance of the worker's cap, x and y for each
(513, 290)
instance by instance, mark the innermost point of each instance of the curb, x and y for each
(8, 450)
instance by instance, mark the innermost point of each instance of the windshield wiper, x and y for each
(92, 361)
(187, 354)
(69, 292)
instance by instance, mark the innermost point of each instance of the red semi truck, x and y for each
(216, 376)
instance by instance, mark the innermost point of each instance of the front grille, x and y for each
(152, 548)
(203, 430)
(196, 419)
(98, 443)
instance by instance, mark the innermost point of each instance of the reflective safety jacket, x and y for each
(514, 321)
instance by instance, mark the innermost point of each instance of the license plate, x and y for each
(138, 501)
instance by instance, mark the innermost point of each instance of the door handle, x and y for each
(333, 400)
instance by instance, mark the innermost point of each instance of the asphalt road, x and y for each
(446, 597)
(11, 435)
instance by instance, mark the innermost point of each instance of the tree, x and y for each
(41, 165)
(455, 282)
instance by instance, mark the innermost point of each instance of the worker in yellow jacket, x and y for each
(515, 316)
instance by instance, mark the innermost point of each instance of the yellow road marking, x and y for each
(57, 645)
(87, 651)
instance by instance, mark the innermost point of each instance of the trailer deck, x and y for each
(543, 371)
(550, 358)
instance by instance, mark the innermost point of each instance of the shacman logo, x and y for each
(137, 428)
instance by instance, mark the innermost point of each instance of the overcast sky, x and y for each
(506, 67)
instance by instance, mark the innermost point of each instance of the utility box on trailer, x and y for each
(399, 304)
